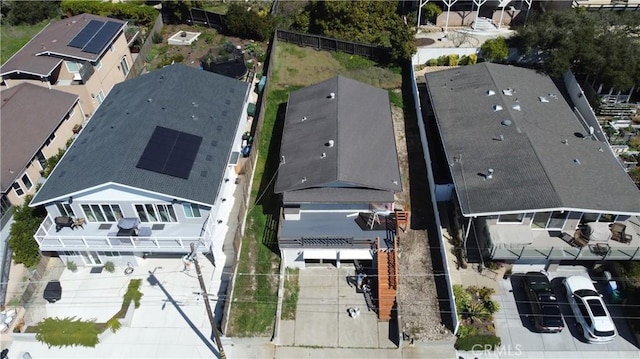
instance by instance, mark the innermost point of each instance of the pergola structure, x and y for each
(478, 3)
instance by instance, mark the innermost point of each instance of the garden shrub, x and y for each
(177, 58)
(473, 342)
(453, 59)
(443, 60)
(464, 60)
(139, 14)
(109, 267)
(156, 37)
(56, 332)
(463, 298)
(114, 324)
(433, 62)
(473, 59)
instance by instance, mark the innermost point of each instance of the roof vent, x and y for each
(323, 155)
(508, 92)
(332, 96)
(506, 122)
(543, 99)
(329, 144)
(496, 108)
(565, 141)
(516, 107)
(149, 100)
(303, 180)
(576, 161)
(489, 174)
(490, 92)
(304, 118)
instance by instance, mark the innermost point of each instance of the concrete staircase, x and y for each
(483, 24)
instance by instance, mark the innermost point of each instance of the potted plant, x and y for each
(109, 267)
(71, 265)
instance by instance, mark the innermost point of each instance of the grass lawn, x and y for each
(255, 293)
(14, 37)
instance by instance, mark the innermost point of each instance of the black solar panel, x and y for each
(170, 152)
(87, 32)
(102, 37)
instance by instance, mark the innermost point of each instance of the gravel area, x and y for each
(417, 297)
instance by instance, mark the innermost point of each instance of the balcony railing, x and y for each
(174, 237)
(327, 242)
(589, 252)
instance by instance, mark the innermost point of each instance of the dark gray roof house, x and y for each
(30, 115)
(83, 37)
(168, 132)
(514, 144)
(338, 145)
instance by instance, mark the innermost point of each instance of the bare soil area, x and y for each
(417, 297)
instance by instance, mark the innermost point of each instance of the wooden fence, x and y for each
(372, 52)
(206, 18)
(138, 63)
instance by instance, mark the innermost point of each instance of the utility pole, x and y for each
(205, 296)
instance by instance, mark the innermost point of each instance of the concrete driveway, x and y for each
(515, 329)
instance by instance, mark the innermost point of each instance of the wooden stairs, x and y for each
(402, 220)
(387, 279)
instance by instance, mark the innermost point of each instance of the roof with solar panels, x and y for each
(84, 37)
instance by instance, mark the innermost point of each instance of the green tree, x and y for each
(366, 21)
(26, 221)
(242, 22)
(431, 11)
(179, 11)
(30, 12)
(601, 44)
(495, 49)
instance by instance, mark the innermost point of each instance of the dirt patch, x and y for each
(417, 296)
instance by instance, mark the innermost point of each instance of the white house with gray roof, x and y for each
(338, 172)
(532, 181)
(147, 172)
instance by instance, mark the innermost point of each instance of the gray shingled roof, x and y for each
(540, 163)
(357, 121)
(30, 114)
(42, 54)
(176, 97)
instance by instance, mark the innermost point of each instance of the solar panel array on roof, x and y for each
(170, 152)
(86, 34)
(95, 35)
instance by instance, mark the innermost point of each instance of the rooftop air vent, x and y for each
(576, 161)
(506, 122)
(304, 118)
(332, 96)
(490, 92)
(329, 143)
(303, 180)
(496, 108)
(543, 99)
(323, 155)
(516, 106)
(508, 92)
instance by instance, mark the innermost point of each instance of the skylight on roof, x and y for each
(543, 99)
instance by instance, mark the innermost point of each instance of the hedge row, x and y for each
(453, 60)
(140, 14)
(477, 342)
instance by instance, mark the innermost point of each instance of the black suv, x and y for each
(545, 310)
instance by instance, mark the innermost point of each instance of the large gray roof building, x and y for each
(514, 144)
(338, 145)
(111, 147)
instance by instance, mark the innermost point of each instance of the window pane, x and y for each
(151, 212)
(117, 211)
(162, 210)
(141, 213)
(557, 220)
(187, 210)
(540, 220)
(196, 210)
(98, 213)
(88, 213)
(510, 218)
(107, 212)
(589, 217)
(172, 214)
(27, 182)
(18, 189)
(607, 217)
(61, 209)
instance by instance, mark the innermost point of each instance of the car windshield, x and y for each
(586, 293)
(550, 310)
(538, 283)
(596, 308)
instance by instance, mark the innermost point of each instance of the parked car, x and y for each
(593, 319)
(545, 309)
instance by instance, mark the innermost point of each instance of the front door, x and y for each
(91, 258)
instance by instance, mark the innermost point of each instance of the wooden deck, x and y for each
(387, 281)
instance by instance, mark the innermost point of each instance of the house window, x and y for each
(71, 113)
(27, 182)
(111, 48)
(41, 160)
(98, 66)
(65, 209)
(511, 218)
(73, 67)
(191, 210)
(156, 213)
(124, 66)
(18, 189)
(110, 254)
(607, 217)
(102, 212)
(100, 97)
(71, 253)
(597, 217)
(49, 140)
